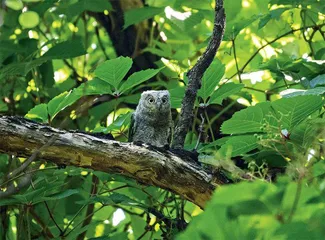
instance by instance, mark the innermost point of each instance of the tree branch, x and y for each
(195, 75)
(146, 164)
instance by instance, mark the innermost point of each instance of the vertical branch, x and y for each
(195, 76)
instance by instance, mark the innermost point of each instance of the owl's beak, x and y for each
(159, 104)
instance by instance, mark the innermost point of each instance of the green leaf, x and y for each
(137, 15)
(319, 168)
(304, 134)
(176, 96)
(61, 101)
(211, 78)
(249, 120)
(61, 195)
(20, 69)
(300, 92)
(113, 71)
(292, 111)
(238, 145)
(121, 120)
(274, 14)
(94, 87)
(137, 78)
(225, 91)
(319, 80)
(234, 27)
(38, 113)
(68, 49)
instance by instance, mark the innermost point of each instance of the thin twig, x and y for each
(236, 61)
(270, 42)
(201, 130)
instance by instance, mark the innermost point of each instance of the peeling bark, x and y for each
(147, 165)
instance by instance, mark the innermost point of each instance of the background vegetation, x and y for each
(82, 64)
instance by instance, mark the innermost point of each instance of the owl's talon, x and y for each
(138, 143)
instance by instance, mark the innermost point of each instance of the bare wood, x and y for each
(143, 163)
(195, 75)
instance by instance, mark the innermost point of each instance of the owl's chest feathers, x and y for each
(153, 129)
(156, 120)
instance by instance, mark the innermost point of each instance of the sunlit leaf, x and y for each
(137, 15)
(38, 113)
(225, 91)
(113, 71)
(67, 49)
(138, 78)
(211, 78)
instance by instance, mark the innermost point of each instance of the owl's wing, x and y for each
(132, 128)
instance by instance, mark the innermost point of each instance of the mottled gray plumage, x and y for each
(152, 120)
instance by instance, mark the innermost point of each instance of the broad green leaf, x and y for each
(304, 134)
(234, 27)
(274, 14)
(61, 195)
(319, 80)
(300, 92)
(113, 71)
(137, 15)
(161, 49)
(121, 120)
(20, 69)
(292, 111)
(211, 78)
(248, 120)
(61, 101)
(38, 113)
(67, 49)
(238, 145)
(221, 218)
(319, 168)
(94, 87)
(29, 19)
(138, 78)
(225, 91)
(176, 96)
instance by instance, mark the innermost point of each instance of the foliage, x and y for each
(261, 99)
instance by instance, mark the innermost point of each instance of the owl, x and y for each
(152, 120)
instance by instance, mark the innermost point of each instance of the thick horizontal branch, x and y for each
(144, 163)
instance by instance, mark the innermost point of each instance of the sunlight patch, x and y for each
(118, 217)
(171, 13)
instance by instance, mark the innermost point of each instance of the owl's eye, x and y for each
(164, 100)
(151, 100)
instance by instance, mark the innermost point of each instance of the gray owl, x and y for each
(152, 120)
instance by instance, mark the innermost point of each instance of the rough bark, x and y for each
(195, 75)
(143, 163)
